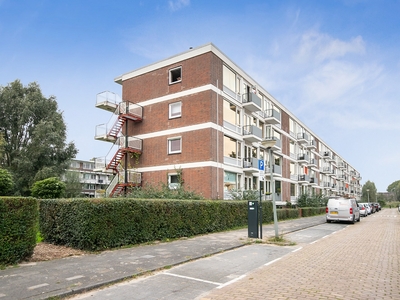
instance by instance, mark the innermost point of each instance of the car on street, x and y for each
(363, 210)
(342, 209)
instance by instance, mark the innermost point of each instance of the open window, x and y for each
(173, 181)
(175, 75)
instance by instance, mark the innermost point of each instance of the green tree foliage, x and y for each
(369, 192)
(34, 135)
(73, 187)
(312, 200)
(49, 188)
(394, 188)
(6, 183)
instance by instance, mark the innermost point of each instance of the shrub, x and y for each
(49, 188)
(18, 228)
(6, 182)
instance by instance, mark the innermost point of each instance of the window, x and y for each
(229, 79)
(175, 110)
(173, 181)
(175, 75)
(174, 145)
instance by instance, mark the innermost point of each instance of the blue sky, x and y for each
(334, 63)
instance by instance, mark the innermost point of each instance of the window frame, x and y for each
(171, 75)
(169, 144)
(170, 106)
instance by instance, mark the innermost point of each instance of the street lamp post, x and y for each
(269, 144)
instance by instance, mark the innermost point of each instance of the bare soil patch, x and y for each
(45, 251)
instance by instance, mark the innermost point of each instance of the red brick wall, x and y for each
(196, 71)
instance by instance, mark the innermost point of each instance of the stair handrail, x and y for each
(112, 184)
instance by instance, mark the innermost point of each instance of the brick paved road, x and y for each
(331, 268)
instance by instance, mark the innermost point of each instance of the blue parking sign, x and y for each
(261, 165)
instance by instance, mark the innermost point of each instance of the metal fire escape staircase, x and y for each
(124, 112)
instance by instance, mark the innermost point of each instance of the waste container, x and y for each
(252, 219)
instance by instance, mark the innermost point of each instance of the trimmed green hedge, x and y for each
(98, 224)
(18, 227)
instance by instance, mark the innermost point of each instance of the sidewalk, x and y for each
(359, 262)
(73, 275)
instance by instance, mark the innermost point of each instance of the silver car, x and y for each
(342, 209)
(363, 210)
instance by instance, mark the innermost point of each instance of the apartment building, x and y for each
(200, 116)
(93, 183)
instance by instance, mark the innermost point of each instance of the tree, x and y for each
(394, 188)
(6, 183)
(369, 192)
(34, 134)
(73, 186)
(50, 188)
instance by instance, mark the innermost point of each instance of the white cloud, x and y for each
(178, 4)
(317, 47)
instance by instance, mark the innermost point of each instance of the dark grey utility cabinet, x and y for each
(252, 219)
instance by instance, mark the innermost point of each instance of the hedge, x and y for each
(18, 227)
(98, 224)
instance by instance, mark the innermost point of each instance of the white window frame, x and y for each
(172, 75)
(173, 185)
(171, 108)
(170, 151)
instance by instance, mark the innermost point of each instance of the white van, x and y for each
(342, 209)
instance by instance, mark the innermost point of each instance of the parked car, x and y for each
(373, 208)
(363, 210)
(342, 209)
(369, 209)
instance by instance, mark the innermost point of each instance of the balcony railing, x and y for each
(303, 158)
(312, 144)
(304, 178)
(252, 133)
(251, 102)
(312, 162)
(250, 163)
(108, 101)
(272, 116)
(302, 138)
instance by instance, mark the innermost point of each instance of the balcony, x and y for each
(108, 101)
(312, 163)
(304, 179)
(327, 155)
(313, 181)
(278, 144)
(276, 170)
(303, 158)
(325, 170)
(110, 131)
(250, 164)
(252, 134)
(302, 138)
(272, 116)
(251, 102)
(312, 145)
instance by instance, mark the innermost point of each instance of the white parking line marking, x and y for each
(2, 295)
(230, 282)
(75, 277)
(297, 249)
(272, 261)
(37, 286)
(192, 278)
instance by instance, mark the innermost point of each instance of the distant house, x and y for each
(93, 182)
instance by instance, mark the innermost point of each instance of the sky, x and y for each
(335, 64)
